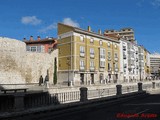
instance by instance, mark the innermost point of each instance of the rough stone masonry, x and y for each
(19, 66)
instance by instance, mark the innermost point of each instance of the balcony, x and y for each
(82, 54)
(109, 58)
(136, 52)
(125, 66)
(91, 55)
(116, 69)
(116, 58)
(124, 48)
(124, 57)
(92, 68)
(82, 68)
(109, 69)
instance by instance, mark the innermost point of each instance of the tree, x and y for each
(55, 72)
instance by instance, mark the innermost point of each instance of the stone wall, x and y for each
(19, 66)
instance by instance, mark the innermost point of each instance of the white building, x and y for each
(154, 63)
(129, 70)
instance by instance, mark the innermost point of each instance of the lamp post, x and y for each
(68, 63)
(140, 72)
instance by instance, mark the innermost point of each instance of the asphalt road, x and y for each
(147, 108)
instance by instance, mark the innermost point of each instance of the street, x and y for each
(147, 108)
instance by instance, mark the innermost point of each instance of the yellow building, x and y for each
(86, 57)
(147, 63)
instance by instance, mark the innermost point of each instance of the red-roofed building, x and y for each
(45, 45)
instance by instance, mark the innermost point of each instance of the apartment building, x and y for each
(129, 66)
(86, 57)
(144, 63)
(126, 33)
(155, 64)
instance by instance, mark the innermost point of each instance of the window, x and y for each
(82, 49)
(115, 46)
(91, 63)
(102, 57)
(91, 40)
(81, 63)
(102, 53)
(109, 66)
(100, 42)
(116, 55)
(92, 51)
(82, 38)
(109, 55)
(109, 44)
(35, 48)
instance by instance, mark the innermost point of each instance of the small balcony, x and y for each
(91, 55)
(124, 57)
(116, 58)
(92, 68)
(82, 54)
(125, 66)
(82, 68)
(116, 69)
(109, 58)
(124, 48)
(109, 69)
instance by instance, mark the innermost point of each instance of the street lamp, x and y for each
(68, 63)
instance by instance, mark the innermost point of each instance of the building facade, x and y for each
(155, 64)
(86, 57)
(45, 45)
(129, 61)
(126, 33)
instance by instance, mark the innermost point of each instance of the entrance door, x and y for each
(92, 78)
(82, 78)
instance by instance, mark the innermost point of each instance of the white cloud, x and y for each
(156, 3)
(32, 20)
(70, 22)
(49, 27)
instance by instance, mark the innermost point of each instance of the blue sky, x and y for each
(22, 18)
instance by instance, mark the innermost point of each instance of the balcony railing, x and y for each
(116, 58)
(109, 69)
(91, 55)
(82, 68)
(92, 68)
(109, 58)
(124, 56)
(116, 69)
(82, 54)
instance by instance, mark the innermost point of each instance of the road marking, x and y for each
(144, 104)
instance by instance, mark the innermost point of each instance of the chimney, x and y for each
(31, 38)
(99, 31)
(89, 28)
(38, 38)
(24, 39)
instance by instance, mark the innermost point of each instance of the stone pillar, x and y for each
(153, 85)
(83, 94)
(19, 101)
(140, 87)
(71, 83)
(119, 89)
